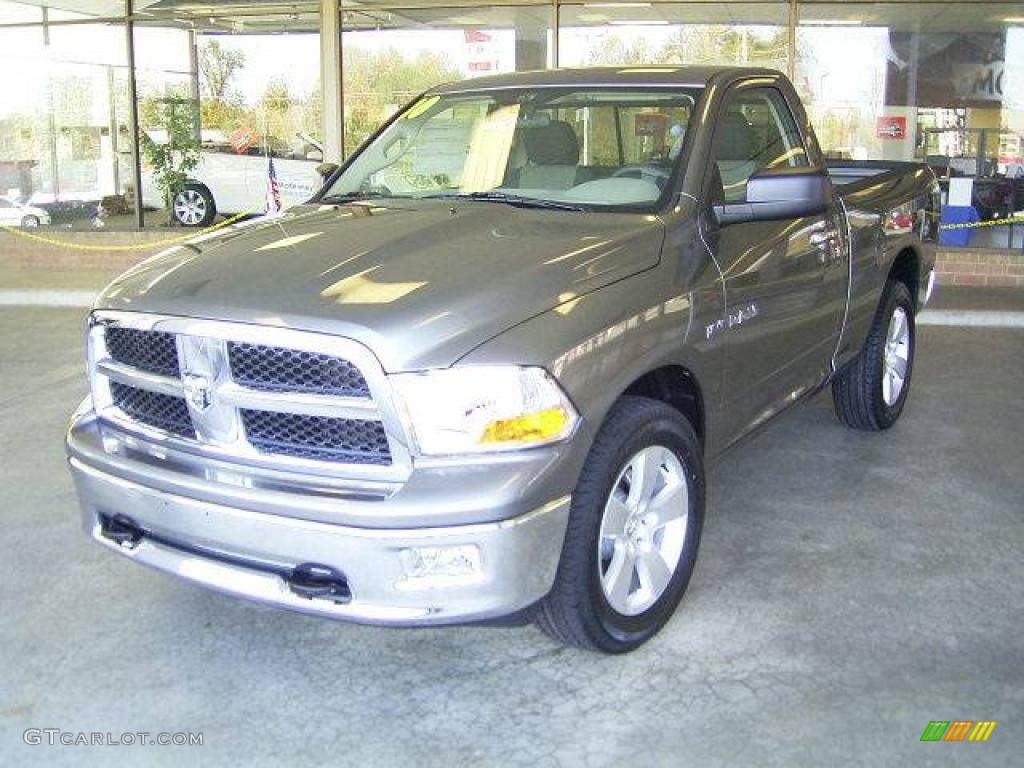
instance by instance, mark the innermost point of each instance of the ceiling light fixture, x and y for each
(639, 23)
(831, 22)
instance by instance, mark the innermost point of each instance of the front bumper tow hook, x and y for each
(121, 530)
(319, 582)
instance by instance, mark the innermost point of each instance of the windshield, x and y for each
(553, 147)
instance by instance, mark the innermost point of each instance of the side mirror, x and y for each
(326, 170)
(780, 193)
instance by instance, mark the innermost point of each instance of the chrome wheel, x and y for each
(897, 356)
(30, 222)
(189, 207)
(643, 529)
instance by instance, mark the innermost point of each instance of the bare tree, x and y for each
(217, 66)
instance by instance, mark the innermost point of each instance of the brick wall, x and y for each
(976, 266)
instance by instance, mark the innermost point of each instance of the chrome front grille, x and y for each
(260, 395)
(276, 369)
(150, 351)
(153, 409)
(317, 437)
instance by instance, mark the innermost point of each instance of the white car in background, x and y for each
(14, 214)
(229, 183)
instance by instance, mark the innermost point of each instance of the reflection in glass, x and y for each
(577, 147)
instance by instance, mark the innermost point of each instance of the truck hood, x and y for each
(421, 283)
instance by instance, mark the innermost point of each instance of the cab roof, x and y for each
(693, 77)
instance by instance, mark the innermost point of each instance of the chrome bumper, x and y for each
(250, 554)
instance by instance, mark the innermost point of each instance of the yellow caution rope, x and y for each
(56, 242)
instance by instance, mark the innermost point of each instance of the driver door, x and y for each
(778, 330)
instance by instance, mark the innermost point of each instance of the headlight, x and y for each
(484, 409)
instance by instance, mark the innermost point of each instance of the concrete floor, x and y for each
(851, 588)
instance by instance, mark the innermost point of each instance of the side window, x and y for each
(756, 131)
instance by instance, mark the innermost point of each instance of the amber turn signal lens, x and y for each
(542, 425)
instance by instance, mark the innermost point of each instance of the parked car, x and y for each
(13, 214)
(229, 182)
(479, 376)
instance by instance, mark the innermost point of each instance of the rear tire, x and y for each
(870, 392)
(634, 529)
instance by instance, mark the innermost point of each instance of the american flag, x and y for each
(273, 190)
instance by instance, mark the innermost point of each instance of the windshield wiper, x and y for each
(517, 200)
(353, 197)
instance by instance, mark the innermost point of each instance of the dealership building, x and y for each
(938, 82)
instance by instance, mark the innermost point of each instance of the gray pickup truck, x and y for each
(478, 377)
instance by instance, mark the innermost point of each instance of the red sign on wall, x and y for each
(242, 139)
(891, 127)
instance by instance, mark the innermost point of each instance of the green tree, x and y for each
(172, 160)
(697, 44)
(376, 83)
(221, 104)
(725, 45)
(613, 52)
(275, 112)
(217, 68)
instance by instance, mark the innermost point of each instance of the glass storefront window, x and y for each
(391, 58)
(939, 83)
(622, 34)
(63, 118)
(259, 99)
(934, 82)
(249, 84)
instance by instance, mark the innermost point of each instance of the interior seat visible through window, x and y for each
(552, 156)
(736, 155)
(757, 132)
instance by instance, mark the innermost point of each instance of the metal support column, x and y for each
(193, 72)
(112, 118)
(330, 81)
(51, 114)
(794, 19)
(554, 34)
(133, 117)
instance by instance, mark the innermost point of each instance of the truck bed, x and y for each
(851, 175)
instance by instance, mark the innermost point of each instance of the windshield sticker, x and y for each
(489, 150)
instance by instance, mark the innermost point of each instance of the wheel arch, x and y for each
(201, 185)
(906, 269)
(677, 386)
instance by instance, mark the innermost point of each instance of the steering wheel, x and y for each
(652, 173)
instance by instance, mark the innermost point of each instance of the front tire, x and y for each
(194, 206)
(30, 222)
(634, 529)
(870, 392)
